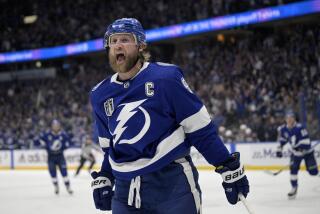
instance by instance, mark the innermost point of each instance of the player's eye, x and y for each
(113, 41)
(124, 40)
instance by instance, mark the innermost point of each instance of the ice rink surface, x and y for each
(31, 192)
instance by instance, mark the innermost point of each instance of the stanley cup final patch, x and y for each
(108, 107)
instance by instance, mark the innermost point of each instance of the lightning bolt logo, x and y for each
(56, 145)
(125, 114)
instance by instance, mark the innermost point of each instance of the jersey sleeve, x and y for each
(104, 139)
(281, 138)
(67, 141)
(193, 116)
(40, 140)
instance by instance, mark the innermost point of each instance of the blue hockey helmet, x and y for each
(125, 25)
(55, 125)
(290, 113)
(55, 122)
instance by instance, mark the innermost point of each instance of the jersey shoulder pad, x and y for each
(299, 125)
(64, 133)
(99, 84)
(165, 70)
(99, 89)
(280, 128)
(165, 64)
(42, 134)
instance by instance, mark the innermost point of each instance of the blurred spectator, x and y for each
(252, 81)
(60, 22)
(246, 83)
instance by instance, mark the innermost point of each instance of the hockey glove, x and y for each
(279, 152)
(234, 179)
(102, 190)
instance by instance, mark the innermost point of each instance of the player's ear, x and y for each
(142, 46)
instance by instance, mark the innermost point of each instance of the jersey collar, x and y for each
(56, 134)
(114, 78)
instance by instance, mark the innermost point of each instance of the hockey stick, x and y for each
(283, 168)
(276, 172)
(245, 203)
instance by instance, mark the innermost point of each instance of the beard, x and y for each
(129, 62)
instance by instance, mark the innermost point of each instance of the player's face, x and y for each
(123, 52)
(56, 127)
(290, 121)
(88, 141)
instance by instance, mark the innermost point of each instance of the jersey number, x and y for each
(304, 132)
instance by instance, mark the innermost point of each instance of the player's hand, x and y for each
(279, 153)
(102, 190)
(234, 179)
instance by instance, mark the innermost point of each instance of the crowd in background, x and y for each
(252, 81)
(28, 107)
(246, 83)
(62, 22)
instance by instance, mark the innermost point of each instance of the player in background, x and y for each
(55, 142)
(86, 154)
(147, 119)
(297, 136)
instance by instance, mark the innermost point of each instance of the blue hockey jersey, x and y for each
(151, 120)
(297, 137)
(55, 144)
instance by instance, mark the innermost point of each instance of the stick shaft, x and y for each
(275, 173)
(245, 203)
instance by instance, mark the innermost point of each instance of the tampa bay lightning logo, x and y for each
(126, 113)
(56, 145)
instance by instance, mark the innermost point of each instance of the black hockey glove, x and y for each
(234, 179)
(102, 190)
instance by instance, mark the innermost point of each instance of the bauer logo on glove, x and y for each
(100, 182)
(232, 176)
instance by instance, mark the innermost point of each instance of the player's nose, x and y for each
(118, 46)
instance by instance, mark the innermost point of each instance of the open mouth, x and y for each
(120, 57)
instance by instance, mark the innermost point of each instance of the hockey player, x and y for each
(147, 119)
(300, 146)
(86, 154)
(55, 142)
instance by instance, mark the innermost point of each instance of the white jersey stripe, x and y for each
(164, 147)
(196, 121)
(189, 174)
(104, 142)
(305, 141)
